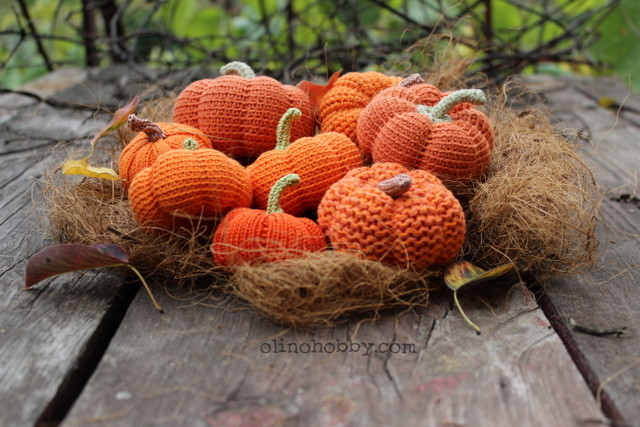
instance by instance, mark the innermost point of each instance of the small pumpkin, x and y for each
(319, 160)
(340, 106)
(191, 182)
(252, 235)
(394, 215)
(239, 111)
(420, 127)
(152, 140)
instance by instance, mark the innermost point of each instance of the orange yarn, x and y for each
(340, 107)
(251, 235)
(393, 215)
(240, 114)
(191, 182)
(320, 161)
(420, 127)
(152, 140)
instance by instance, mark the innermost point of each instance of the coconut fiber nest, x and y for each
(535, 206)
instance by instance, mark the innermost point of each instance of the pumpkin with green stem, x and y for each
(319, 160)
(255, 235)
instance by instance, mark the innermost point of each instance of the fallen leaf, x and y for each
(82, 167)
(68, 257)
(316, 91)
(119, 118)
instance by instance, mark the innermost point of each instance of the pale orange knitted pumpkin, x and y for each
(251, 235)
(192, 182)
(418, 126)
(152, 140)
(339, 108)
(320, 161)
(239, 111)
(390, 214)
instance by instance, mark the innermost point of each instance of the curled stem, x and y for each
(283, 131)
(238, 68)
(153, 131)
(438, 113)
(273, 205)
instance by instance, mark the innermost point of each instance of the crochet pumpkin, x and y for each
(420, 127)
(339, 108)
(239, 111)
(251, 235)
(152, 140)
(320, 161)
(192, 182)
(390, 214)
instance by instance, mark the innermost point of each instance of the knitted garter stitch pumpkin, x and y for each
(392, 215)
(239, 111)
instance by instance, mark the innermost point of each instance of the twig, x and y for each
(36, 36)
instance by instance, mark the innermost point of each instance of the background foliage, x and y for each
(295, 39)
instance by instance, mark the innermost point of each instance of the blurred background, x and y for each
(300, 39)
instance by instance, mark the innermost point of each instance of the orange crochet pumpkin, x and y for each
(393, 215)
(191, 182)
(339, 108)
(419, 127)
(252, 235)
(320, 161)
(239, 111)
(152, 140)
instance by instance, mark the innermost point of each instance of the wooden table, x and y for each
(89, 349)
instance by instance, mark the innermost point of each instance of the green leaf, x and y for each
(68, 257)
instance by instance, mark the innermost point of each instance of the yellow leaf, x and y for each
(462, 273)
(82, 167)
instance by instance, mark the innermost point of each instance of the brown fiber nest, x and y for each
(537, 207)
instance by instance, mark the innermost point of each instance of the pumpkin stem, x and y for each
(190, 144)
(273, 205)
(239, 69)
(153, 131)
(283, 131)
(438, 113)
(396, 186)
(411, 80)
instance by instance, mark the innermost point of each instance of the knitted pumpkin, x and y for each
(420, 127)
(239, 111)
(192, 183)
(250, 235)
(320, 161)
(339, 108)
(152, 140)
(393, 215)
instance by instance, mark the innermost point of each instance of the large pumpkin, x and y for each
(394, 215)
(319, 160)
(239, 111)
(339, 108)
(193, 183)
(418, 126)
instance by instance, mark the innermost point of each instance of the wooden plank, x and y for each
(51, 336)
(607, 298)
(206, 363)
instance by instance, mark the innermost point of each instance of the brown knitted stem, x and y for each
(396, 186)
(153, 131)
(411, 80)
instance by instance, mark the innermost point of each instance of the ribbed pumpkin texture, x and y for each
(320, 161)
(339, 108)
(152, 140)
(394, 215)
(190, 182)
(255, 235)
(240, 113)
(420, 127)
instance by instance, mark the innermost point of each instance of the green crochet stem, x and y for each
(438, 113)
(190, 144)
(273, 205)
(238, 68)
(283, 131)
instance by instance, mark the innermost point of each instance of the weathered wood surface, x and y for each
(203, 361)
(608, 298)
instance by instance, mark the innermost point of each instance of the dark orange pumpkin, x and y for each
(320, 161)
(240, 112)
(254, 235)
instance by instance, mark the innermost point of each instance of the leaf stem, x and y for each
(147, 288)
(473, 325)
